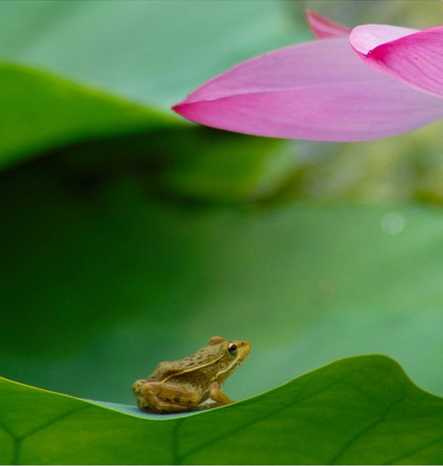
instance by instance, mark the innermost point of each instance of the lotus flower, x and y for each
(366, 83)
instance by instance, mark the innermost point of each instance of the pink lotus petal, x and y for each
(413, 56)
(323, 27)
(366, 38)
(318, 90)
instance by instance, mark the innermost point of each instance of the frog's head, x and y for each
(231, 354)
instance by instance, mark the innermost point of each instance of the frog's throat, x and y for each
(192, 369)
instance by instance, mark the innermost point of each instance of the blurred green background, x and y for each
(129, 236)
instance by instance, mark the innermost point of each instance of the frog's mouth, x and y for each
(244, 348)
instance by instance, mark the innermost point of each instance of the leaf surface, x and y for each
(362, 410)
(40, 110)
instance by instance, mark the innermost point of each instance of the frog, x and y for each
(194, 382)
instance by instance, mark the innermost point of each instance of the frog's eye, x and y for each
(232, 348)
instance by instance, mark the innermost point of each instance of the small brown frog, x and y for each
(194, 381)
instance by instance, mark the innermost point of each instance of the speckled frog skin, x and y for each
(192, 382)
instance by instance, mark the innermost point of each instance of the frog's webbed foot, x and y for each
(218, 395)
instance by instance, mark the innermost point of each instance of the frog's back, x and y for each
(169, 369)
(164, 370)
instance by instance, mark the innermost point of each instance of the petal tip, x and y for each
(178, 107)
(323, 27)
(185, 110)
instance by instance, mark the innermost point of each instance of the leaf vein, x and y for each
(416, 450)
(176, 441)
(51, 422)
(254, 421)
(7, 430)
(364, 431)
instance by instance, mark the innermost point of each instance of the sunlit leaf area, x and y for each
(131, 236)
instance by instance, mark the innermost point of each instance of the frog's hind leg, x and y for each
(164, 397)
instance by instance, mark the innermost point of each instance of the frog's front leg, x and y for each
(218, 395)
(164, 397)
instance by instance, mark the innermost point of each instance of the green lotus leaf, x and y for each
(131, 68)
(152, 52)
(40, 110)
(362, 410)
